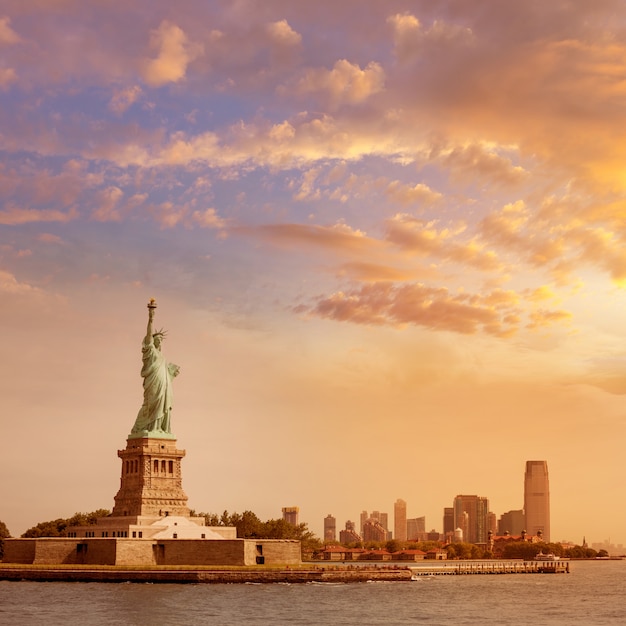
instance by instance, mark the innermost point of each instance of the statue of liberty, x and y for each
(154, 416)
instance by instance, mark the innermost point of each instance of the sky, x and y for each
(386, 238)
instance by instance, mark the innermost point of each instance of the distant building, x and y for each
(448, 521)
(362, 519)
(349, 535)
(416, 529)
(498, 543)
(291, 514)
(399, 520)
(471, 514)
(512, 522)
(330, 528)
(537, 498)
(373, 530)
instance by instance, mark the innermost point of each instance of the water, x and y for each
(594, 593)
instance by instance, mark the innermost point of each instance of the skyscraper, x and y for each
(416, 529)
(471, 515)
(537, 499)
(291, 514)
(512, 522)
(330, 528)
(399, 520)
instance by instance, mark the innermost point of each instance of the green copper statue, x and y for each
(155, 414)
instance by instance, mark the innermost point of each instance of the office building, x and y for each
(537, 499)
(291, 514)
(471, 515)
(349, 535)
(511, 522)
(399, 520)
(416, 529)
(373, 530)
(330, 528)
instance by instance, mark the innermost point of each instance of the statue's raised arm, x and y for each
(151, 310)
(154, 417)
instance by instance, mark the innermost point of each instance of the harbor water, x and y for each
(593, 593)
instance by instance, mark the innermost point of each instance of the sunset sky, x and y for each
(387, 240)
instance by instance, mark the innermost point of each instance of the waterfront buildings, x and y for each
(537, 499)
(399, 520)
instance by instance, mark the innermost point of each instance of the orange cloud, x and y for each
(174, 53)
(423, 238)
(415, 304)
(7, 35)
(14, 215)
(346, 83)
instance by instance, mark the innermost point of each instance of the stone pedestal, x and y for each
(151, 482)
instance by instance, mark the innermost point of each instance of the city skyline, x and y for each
(387, 246)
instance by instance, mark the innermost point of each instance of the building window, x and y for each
(175, 535)
(171, 467)
(163, 466)
(156, 467)
(140, 534)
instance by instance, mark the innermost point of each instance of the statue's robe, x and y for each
(155, 413)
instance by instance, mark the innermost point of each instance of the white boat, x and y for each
(547, 557)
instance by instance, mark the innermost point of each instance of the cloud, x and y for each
(7, 76)
(7, 35)
(14, 215)
(283, 35)
(410, 37)
(174, 53)
(339, 237)
(364, 271)
(346, 83)
(208, 219)
(124, 99)
(544, 317)
(416, 304)
(468, 162)
(425, 239)
(50, 238)
(9, 285)
(419, 194)
(108, 200)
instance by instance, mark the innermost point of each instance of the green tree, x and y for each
(521, 550)
(57, 527)
(463, 550)
(578, 552)
(4, 534)
(393, 545)
(249, 525)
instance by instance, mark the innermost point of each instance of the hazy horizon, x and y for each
(387, 240)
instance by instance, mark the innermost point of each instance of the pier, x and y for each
(459, 568)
